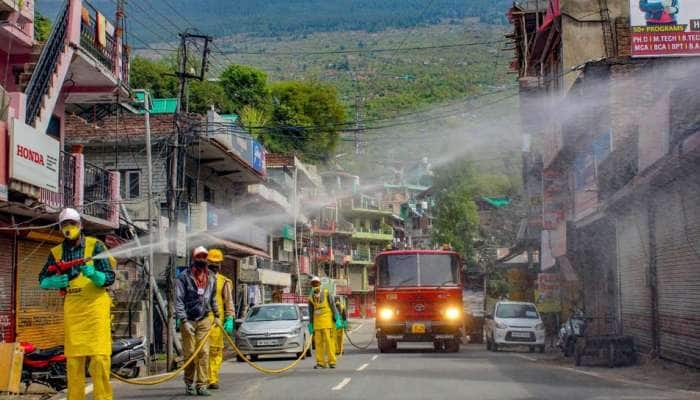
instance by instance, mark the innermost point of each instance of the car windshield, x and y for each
(418, 270)
(517, 311)
(273, 313)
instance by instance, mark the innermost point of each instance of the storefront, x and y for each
(7, 292)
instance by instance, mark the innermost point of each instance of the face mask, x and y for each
(317, 289)
(200, 264)
(71, 232)
(214, 268)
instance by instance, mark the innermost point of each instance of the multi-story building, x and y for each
(615, 123)
(82, 63)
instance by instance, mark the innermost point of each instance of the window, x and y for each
(208, 194)
(131, 184)
(517, 311)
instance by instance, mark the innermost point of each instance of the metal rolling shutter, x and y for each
(7, 325)
(39, 312)
(633, 264)
(678, 271)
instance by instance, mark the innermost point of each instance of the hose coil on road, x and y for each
(363, 347)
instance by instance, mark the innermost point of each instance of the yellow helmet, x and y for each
(215, 256)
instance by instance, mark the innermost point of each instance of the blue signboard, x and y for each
(257, 156)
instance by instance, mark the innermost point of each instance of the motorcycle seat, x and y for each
(124, 344)
(45, 354)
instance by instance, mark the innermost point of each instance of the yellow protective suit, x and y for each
(324, 329)
(216, 340)
(86, 319)
(339, 332)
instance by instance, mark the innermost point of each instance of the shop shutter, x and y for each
(7, 324)
(678, 271)
(635, 293)
(39, 312)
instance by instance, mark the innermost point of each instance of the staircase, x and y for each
(42, 78)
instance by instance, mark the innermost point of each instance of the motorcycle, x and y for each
(48, 366)
(570, 331)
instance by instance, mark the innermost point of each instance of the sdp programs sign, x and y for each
(34, 156)
(663, 28)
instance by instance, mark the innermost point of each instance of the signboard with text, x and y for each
(34, 156)
(662, 28)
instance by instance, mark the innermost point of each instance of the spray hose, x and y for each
(171, 375)
(162, 378)
(362, 347)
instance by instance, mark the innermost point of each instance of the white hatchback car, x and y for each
(514, 323)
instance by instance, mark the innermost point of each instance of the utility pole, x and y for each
(174, 189)
(297, 269)
(149, 196)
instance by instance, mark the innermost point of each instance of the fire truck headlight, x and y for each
(386, 314)
(453, 313)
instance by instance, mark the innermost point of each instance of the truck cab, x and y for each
(418, 294)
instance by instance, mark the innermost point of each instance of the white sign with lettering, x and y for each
(34, 156)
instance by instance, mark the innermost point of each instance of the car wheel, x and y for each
(488, 344)
(452, 346)
(239, 358)
(301, 355)
(531, 349)
(494, 346)
(253, 357)
(541, 349)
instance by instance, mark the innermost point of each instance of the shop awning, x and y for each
(237, 249)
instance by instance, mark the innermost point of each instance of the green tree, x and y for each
(456, 219)
(153, 76)
(253, 119)
(42, 27)
(245, 86)
(306, 117)
(204, 94)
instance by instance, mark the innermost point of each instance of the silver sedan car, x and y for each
(276, 328)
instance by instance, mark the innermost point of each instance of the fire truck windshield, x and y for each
(417, 270)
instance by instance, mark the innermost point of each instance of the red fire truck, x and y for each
(418, 294)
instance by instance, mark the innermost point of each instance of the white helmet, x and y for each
(69, 214)
(200, 252)
(315, 279)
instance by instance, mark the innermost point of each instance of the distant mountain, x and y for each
(292, 17)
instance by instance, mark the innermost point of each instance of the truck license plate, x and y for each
(525, 335)
(268, 342)
(418, 328)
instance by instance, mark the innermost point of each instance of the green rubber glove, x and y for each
(97, 277)
(54, 282)
(229, 327)
(345, 324)
(178, 322)
(338, 322)
(311, 328)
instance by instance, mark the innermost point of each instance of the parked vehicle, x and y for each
(419, 299)
(48, 366)
(277, 328)
(128, 357)
(570, 331)
(514, 323)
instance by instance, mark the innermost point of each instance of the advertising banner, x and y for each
(662, 28)
(34, 156)
(548, 293)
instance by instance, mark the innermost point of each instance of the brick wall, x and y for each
(78, 130)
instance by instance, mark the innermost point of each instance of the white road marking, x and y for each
(363, 366)
(525, 357)
(582, 372)
(63, 395)
(341, 384)
(374, 357)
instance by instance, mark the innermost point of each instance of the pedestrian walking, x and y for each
(86, 308)
(323, 312)
(195, 310)
(224, 298)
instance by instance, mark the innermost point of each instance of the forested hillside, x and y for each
(285, 17)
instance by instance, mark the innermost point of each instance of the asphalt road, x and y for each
(415, 372)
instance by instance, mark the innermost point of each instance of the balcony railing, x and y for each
(344, 226)
(89, 38)
(97, 200)
(364, 254)
(274, 265)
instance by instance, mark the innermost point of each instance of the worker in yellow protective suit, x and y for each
(323, 313)
(224, 297)
(86, 309)
(344, 325)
